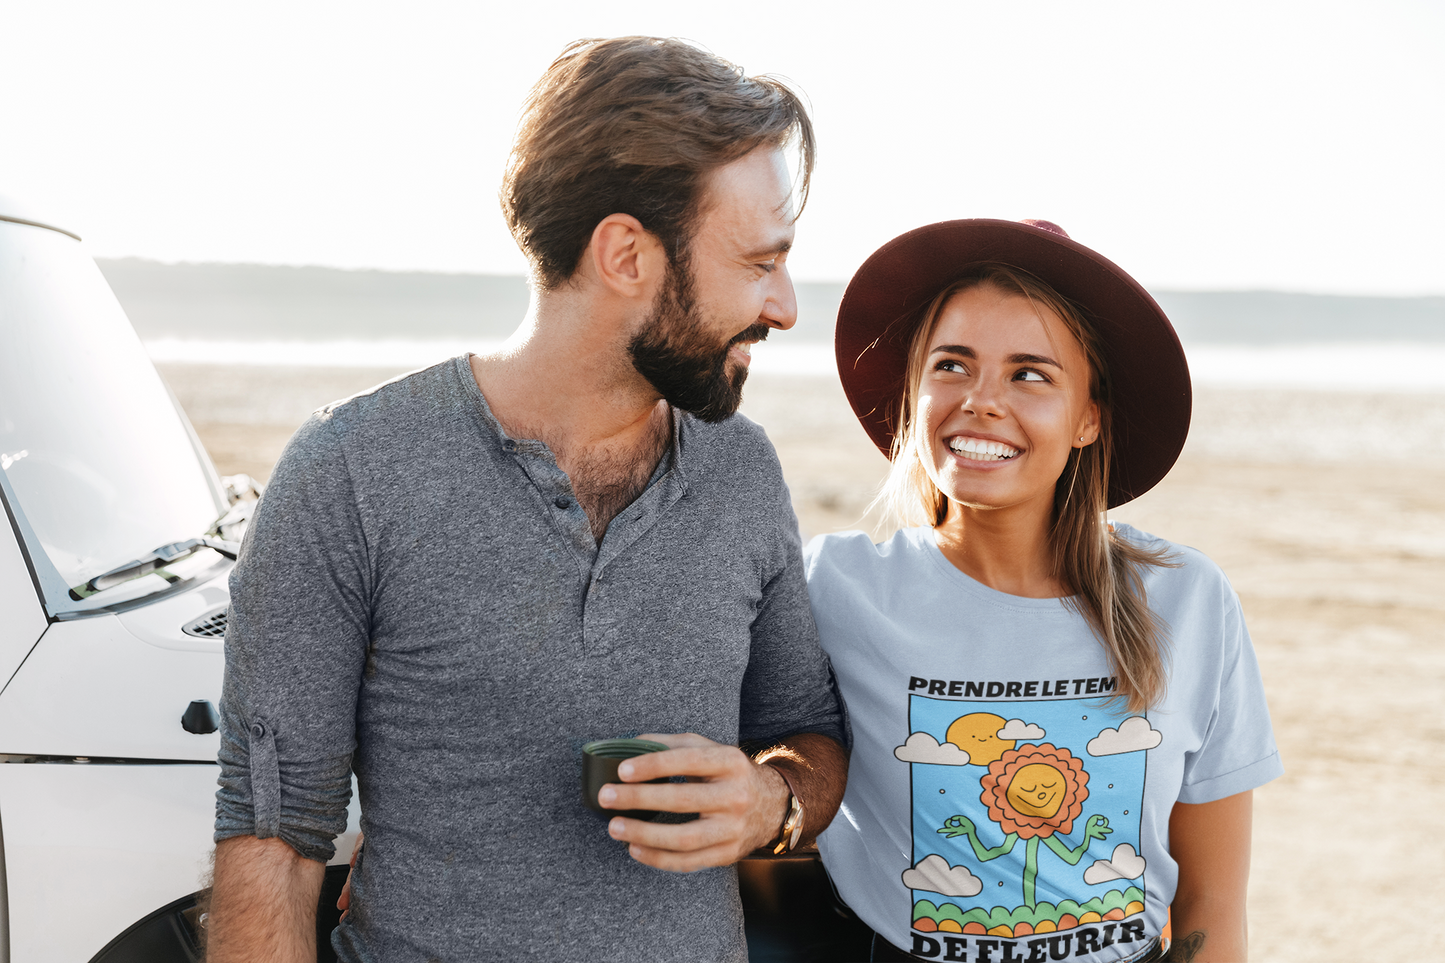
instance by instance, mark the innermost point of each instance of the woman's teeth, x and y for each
(976, 449)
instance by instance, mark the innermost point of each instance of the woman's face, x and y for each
(1003, 398)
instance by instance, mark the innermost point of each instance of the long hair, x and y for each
(1102, 572)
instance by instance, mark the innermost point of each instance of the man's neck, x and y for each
(565, 378)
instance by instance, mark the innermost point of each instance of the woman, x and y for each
(1057, 722)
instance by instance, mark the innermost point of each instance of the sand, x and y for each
(1327, 510)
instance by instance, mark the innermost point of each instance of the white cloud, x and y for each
(1124, 864)
(1018, 729)
(1134, 735)
(935, 875)
(921, 747)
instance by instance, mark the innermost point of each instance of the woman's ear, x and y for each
(1088, 430)
(625, 257)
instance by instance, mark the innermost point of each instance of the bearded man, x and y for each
(458, 578)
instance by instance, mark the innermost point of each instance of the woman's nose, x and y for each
(984, 397)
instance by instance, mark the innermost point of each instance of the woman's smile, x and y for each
(978, 449)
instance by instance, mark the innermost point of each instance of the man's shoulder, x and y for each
(414, 394)
(736, 442)
(375, 425)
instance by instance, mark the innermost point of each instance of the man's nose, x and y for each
(781, 308)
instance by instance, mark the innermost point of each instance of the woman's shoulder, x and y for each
(855, 555)
(1186, 571)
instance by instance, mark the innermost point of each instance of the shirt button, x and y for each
(509, 445)
(258, 730)
(563, 502)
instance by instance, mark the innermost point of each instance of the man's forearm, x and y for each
(263, 903)
(818, 767)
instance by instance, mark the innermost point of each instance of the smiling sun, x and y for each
(977, 735)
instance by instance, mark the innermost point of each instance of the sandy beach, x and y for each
(1327, 510)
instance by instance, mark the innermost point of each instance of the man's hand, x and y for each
(740, 804)
(263, 903)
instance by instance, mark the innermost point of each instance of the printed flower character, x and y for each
(1033, 792)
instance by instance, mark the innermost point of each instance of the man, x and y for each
(458, 578)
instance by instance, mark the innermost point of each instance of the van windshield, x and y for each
(99, 466)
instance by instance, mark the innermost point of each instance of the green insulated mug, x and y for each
(599, 766)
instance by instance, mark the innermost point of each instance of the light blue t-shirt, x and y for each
(997, 808)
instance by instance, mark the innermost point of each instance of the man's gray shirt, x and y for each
(420, 599)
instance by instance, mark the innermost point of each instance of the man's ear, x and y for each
(625, 257)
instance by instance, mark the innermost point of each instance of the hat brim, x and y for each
(1150, 393)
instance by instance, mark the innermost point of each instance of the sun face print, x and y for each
(1037, 790)
(977, 735)
(1025, 790)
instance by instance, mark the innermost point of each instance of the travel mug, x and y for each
(599, 766)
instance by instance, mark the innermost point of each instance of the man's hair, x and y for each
(633, 126)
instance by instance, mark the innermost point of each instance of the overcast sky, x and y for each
(1215, 145)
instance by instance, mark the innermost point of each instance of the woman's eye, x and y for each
(1029, 374)
(948, 365)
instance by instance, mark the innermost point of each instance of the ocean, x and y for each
(1347, 366)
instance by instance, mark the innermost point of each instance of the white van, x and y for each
(115, 542)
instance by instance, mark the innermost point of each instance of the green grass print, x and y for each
(1001, 916)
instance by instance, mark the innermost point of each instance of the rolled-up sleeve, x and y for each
(296, 646)
(1238, 751)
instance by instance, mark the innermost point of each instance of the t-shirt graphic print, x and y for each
(1026, 823)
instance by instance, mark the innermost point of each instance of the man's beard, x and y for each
(674, 353)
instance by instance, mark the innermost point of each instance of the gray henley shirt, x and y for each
(420, 600)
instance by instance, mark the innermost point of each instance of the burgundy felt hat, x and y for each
(1148, 376)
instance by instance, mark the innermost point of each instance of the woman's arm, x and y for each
(1210, 841)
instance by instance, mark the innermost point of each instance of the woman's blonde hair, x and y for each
(1102, 572)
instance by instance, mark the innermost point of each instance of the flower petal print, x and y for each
(1035, 790)
(1034, 793)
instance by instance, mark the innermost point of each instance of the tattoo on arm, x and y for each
(1185, 948)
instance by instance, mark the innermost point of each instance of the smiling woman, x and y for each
(1022, 385)
(1005, 417)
